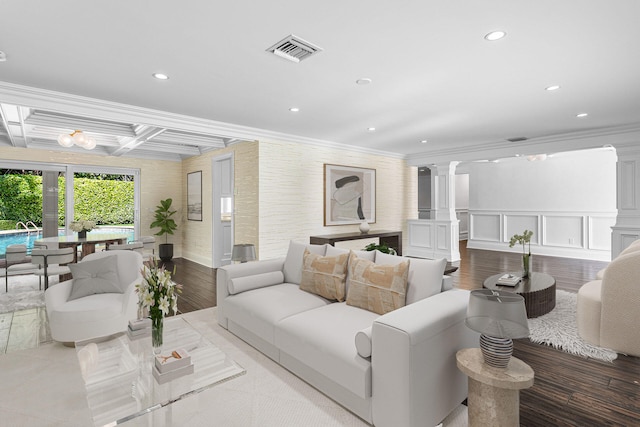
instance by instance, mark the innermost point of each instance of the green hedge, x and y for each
(102, 201)
(7, 225)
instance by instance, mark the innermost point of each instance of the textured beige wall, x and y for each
(279, 193)
(158, 180)
(292, 191)
(198, 234)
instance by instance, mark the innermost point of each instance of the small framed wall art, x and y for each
(349, 195)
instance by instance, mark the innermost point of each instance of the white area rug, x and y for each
(559, 329)
(23, 293)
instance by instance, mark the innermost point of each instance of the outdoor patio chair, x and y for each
(50, 260)
(17, 263)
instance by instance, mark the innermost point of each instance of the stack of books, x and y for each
(139, 328)
(509, 280)
(173, 365)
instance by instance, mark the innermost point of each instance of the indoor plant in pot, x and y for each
(163, 220)
(524, 239)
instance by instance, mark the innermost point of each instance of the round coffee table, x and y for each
(538, 290)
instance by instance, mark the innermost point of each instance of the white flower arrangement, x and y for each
(79, 226)
(157, 292)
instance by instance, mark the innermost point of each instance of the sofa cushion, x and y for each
(88, 309)
(99, 276)
(333, 251)
(324, 275)
(323, 340)
(259, 310)
(293, 263)
(375, 287)
(363, 342)
(425, 275)
(247, 283)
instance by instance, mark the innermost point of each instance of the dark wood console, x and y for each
(391, 238)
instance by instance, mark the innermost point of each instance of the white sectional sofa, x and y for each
(392, 370)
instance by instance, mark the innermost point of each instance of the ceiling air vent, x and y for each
(517, 139)
(294, 48)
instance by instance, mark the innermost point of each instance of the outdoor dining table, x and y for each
(88, 243)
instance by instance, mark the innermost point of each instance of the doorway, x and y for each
(223, 209)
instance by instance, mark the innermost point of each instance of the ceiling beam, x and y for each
(143, 134)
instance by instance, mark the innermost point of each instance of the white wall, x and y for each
(568, 200)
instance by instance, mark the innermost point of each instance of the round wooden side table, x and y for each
(494, 394)
(538, 291)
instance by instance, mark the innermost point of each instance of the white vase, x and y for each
(364, 227)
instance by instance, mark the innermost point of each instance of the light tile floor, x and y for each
(43, 387)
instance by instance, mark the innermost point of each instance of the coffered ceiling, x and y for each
(425, 71)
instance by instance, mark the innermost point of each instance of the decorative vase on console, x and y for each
(157, 293)
(364, 227)
(524, 239)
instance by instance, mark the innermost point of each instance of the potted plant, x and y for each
(382, 247)
(167, 225)
(523, 239)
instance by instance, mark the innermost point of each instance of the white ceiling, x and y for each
(434, 75)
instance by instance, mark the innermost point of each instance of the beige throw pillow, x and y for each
(377, 288)
(324, 275)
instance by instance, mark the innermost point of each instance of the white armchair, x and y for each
(98, 314)
(608, 313)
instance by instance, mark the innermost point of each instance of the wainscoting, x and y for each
(585, 235)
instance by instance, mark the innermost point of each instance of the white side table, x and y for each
(494, 394)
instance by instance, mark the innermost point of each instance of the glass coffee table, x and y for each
(118, 373)
(538, 290)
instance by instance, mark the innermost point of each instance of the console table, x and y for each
(393, 239)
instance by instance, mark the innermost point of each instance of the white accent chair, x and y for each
(98, 315)
(17, 263)
(149, 248)
(50, 260)
(634, 246)
(133, 246)
(608, 314)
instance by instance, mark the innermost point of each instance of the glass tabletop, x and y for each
(118, 374)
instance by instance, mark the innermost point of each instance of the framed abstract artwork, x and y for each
(194, 196)
(349, 195)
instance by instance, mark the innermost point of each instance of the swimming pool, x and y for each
(24, 238)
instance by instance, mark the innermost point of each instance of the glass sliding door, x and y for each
(106, 196)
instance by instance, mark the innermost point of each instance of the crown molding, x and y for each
(107, 110)
(620, 137)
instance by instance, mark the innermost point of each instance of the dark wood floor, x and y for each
(568, 390)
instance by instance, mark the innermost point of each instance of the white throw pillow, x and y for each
(293, 263)
(425, 275)
(363, 342)
(99, 276)
(242, 284)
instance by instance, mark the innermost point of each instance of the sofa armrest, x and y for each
(415, 377)
(225, 274)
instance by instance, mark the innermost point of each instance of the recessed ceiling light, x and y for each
(424, 141)
(160, 76)
(495, 35)
(372, 129)
(582, 115)
(294, 109)
(553, 87)
(363, 81)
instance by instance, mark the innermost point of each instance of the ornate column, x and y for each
(627, 228)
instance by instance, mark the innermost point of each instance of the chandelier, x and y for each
(77, 137)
